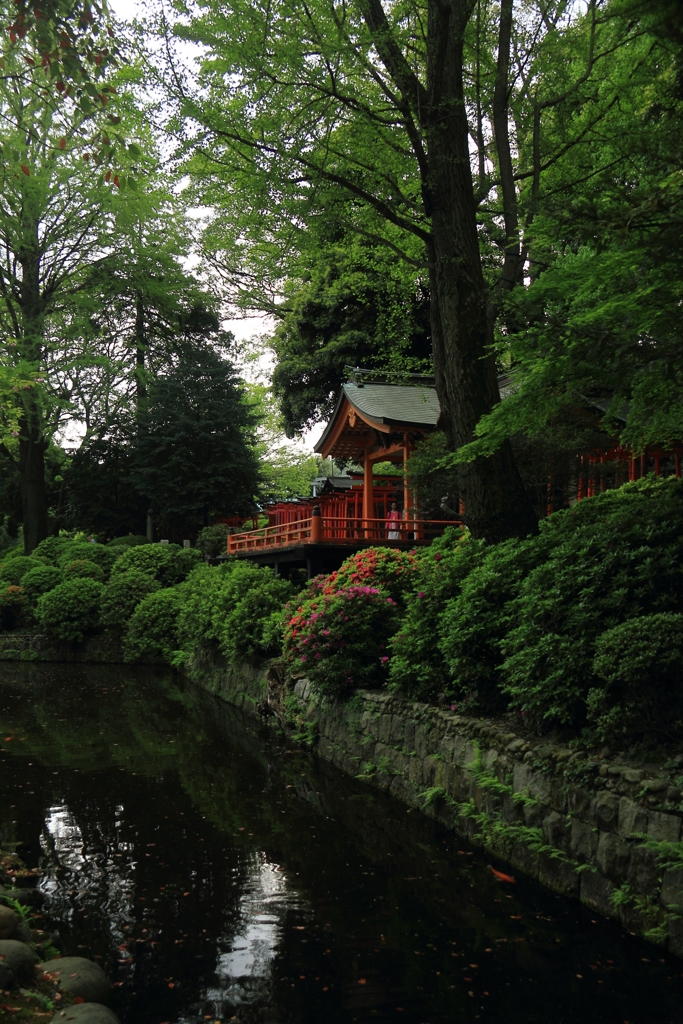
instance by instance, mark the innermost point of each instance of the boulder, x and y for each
(80, 977)
(6, 976)
(8, 922)
(86, 1013)
(18, 957)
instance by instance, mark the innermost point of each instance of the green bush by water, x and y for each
(418, 668)
(151, 632)
(123, 594)
(12, 606)
(212, 541)
(640, 666)
(612, 558)
(71, 610)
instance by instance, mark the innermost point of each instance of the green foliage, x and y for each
(339, 639)
(38, 581)
(196, 620)
(102, 555)
(52, 549)
(13, 569)
(195, 457)
(417, 668)
(359, 306)
(613, 557)
(167, 563)
(123, 594)
(251, 602)
(131, 540)
(213, 540)
(474, 622)
(640, 664)
(12, 604)
(151, 631)
(82, 568)
(70, 610)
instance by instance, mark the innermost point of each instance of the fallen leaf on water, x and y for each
(79, 999)
(171, 984)
(362, 981)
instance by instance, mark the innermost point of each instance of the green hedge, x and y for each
(640, 666)
(12, 570)
(167, 563)
(123, 594)
(71, 610)
(151, 632)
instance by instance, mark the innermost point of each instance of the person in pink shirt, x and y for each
(393, 519)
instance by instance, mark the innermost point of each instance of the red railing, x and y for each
(324, 529)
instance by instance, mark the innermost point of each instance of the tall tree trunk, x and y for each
(140, 350)
(32, 448)
(32, 443)
(496, 504)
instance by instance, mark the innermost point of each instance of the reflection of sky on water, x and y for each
(91, 876)
(244, 970)
(99, 875)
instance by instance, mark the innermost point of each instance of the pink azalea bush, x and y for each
(385, 568)
(338, 638)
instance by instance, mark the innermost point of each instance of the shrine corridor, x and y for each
(218, 875)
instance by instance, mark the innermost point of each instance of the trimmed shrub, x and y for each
(39, 580)
(196, 620)
(123, 594)
(167, 563)
(12, 607)
(130, 541)
(151, 631)
(613, 557)
(12, 570)
(249, 613)
(640, 663)
(70, 610)
(418, 668)
(52, 549)
(77, 550)
(82, 568)
(476, 621)
(212, 541)
(339, 640)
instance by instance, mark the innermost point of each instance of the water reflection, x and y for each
(217, 875)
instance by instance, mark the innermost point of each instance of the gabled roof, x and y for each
(387, 405)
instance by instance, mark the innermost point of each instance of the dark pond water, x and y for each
(219, 876)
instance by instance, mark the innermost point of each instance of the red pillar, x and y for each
(368, 508)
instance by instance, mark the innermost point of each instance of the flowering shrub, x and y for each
(123, 594)
(70, 610)
(339, 639)
(82, 568)
(12, 601)
(386, 568)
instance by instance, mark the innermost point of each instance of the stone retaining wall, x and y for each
(603, 832)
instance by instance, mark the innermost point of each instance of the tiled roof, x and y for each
(415, 405)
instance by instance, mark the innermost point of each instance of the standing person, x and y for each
(393, 519)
